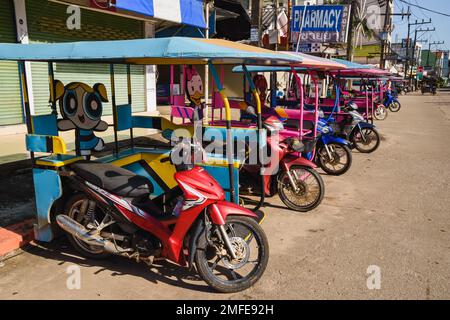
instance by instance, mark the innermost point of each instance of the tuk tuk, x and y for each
(138, 202)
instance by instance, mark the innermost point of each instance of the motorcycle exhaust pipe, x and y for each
(77, 230)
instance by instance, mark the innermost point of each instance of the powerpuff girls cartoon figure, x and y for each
(195, 92)
(81, 109)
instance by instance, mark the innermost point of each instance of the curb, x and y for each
(15, 236)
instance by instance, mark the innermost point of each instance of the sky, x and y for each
(440, 22)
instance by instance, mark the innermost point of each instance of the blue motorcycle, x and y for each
(391, 102)
(362, 135)
(333, 153)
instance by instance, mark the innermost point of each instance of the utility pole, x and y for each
(256, 23)
(275, 21)
(429, 50)
(387, 26)
(353, 4)
(407, 43)
(414, 48)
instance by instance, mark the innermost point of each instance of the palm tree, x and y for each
(359, 26)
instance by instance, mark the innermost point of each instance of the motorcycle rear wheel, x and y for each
(331, 166)
(380, 113)
(223, 273)
(395, 106)
(310, 193)
(73, 210)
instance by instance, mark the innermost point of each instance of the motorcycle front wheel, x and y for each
(310, 188)
(366, 140)
(218, 269)
(340, 161)
(380, 113)
(395, 106)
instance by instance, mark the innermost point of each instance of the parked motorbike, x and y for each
(362, 135)
(381, 112)
(391, 102)
(401, 88)
(110, 212)
(294, 178)
(333, 153)
(428, 88)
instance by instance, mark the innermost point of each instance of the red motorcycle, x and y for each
(294, 178)
(110, 212)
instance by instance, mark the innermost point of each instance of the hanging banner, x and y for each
(319, 24)
(189, 12)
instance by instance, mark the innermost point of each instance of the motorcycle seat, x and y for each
(117, 180)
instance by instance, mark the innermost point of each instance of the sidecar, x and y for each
(77, 107)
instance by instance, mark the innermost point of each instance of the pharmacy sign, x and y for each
(326, 23)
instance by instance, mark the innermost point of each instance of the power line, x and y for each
(426, 9)
(432, 35)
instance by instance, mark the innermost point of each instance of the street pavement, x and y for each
(382, 231)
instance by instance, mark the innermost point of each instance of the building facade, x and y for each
(41, 21)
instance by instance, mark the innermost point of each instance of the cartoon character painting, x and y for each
(81, 109)
(195, 92)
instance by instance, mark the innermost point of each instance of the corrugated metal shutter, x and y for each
(47, 23)
(10, 98)
(89, 74)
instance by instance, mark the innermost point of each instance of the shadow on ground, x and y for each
(162, 271)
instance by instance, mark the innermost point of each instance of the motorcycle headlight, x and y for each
(325, 130)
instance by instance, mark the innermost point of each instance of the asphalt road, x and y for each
(390, 211)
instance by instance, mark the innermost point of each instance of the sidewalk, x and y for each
(389, 210)
(14, 237)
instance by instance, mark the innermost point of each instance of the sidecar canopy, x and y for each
(173, 50)
(309, 62)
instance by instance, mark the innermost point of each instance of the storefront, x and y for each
(10, 98)
(47, 21)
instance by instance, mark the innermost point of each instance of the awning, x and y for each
(319, 63)
(189, 12)
(174, 50)
(352, 65)
(362, 73)
(309, 62)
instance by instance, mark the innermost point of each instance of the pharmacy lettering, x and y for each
(327, 23)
